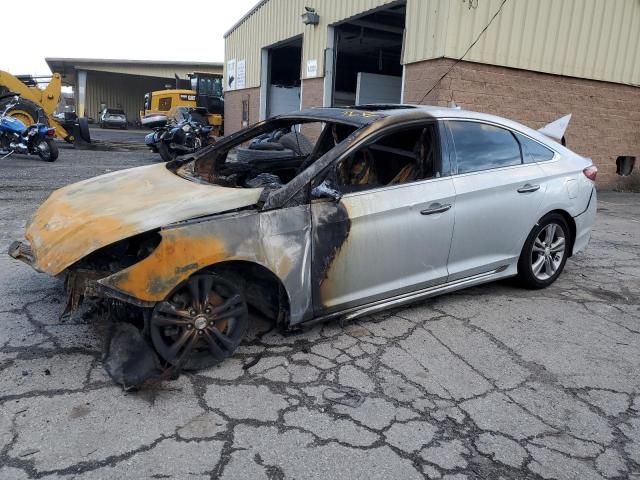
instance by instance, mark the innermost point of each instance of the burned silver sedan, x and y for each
(325, 213)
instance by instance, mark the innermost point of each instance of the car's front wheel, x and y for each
(545, 252)
(201, 323)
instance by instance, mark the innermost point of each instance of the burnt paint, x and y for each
(331, 226)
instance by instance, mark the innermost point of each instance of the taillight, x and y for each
(591, 172)
(51, 132)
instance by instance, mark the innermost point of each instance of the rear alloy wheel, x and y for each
(545, 252)
(201, 323)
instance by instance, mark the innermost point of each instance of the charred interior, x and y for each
(270, 158)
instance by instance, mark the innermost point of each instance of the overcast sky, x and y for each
(129, 29)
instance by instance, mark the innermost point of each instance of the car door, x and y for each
(497, 198)
(386, 237)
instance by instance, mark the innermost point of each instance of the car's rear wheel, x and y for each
(545, 252)
(201, 323)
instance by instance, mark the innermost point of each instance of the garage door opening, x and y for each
(284, 78)
(368, 65)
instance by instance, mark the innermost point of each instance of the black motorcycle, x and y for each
(186, 131)
(16, 137)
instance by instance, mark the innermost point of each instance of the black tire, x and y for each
(534, 252)
(32, 109)
(50, 154)
(201, 323)
(83, 129)
(165, 153)
(297, 142)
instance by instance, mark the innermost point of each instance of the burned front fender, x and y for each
(278, 240)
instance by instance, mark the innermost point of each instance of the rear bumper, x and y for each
(111, 123)
(584, 223)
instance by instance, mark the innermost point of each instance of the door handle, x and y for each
(435, 209)
(529, 188)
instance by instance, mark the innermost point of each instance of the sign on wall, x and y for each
(231, 74)
(312, 68)
(241, 74)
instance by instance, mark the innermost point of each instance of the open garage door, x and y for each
(283, 94)
(368, 65)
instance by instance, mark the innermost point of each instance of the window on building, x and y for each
(533, 151)
(400, 157)
(480, 146)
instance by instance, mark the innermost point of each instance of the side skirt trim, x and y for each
(355, 312)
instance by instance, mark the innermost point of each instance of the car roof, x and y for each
(363, 115)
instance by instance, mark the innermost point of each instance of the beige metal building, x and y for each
(99, 83)
(537, 60)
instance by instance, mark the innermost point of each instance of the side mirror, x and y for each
(326, 190)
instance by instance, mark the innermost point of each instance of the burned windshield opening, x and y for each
(268, 156)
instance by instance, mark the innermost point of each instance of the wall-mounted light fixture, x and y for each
(310, 17)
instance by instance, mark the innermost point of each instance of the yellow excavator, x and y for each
(205, 97)
(38, 105)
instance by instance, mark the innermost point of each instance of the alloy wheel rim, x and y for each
(44, 148)
(548, 251)
(198, 320)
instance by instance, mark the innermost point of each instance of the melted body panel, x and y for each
(81, 218)
(279, 240)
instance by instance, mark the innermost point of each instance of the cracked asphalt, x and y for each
(491, 382)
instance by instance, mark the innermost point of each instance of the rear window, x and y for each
(480, 146)
(533, 151)
(115, 112)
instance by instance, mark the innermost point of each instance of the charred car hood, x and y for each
(83, 217)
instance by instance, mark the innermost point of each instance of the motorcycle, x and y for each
(16, 137)
(186, 132)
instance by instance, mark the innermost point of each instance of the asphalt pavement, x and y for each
(491, 382)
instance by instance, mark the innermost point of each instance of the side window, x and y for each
(533, 151)
(480, 146)
(400, 157)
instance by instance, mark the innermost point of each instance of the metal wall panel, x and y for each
(597, 39)
(119, 91)
(278, 20)
(150, 70)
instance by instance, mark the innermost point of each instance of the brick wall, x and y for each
(606, 116)
(312, 92)
(233, 108)
(312, 96)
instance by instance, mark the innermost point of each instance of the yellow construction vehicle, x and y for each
(38, 105)
(205, 93)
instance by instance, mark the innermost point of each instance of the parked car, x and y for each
(113, 118)
(394, 204)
